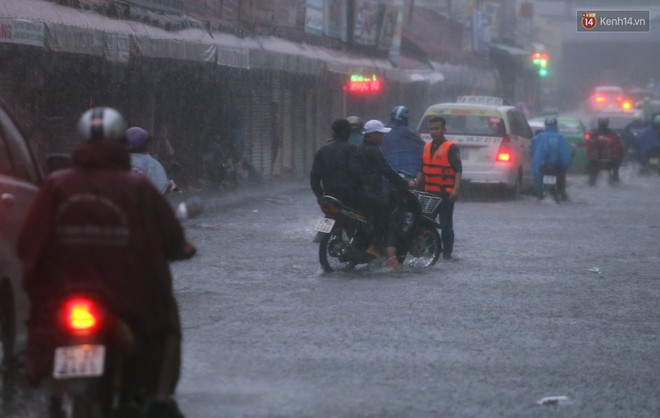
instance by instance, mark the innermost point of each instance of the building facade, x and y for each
(194, 72)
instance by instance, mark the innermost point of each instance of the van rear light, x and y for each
(504, 152)
(503, 156)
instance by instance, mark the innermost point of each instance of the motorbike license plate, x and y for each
(79, 361)
(654, 161)
(549, 179)
(324, 225)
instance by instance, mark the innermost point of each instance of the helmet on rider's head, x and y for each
(137, 139)
(550, 121)
(603, 122)
(101, 123)
(356, 122)
(400, 115)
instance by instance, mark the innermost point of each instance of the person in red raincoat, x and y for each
(101, 226)
(604, 152)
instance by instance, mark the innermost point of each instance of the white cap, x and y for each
(375, 126)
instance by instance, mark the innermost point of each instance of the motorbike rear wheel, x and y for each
(82, 406)
(332, 251)
(551, 190)
(425, 248)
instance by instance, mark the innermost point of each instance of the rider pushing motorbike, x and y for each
(97, 225)
(369, 167)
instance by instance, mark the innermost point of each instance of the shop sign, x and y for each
(314, 17)
(366, 28)
(26, 32)
(362, 84)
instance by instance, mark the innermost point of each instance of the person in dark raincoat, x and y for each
(330, 169)
(100, 226)
(604, 151)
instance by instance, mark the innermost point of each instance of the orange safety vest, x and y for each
(438, 173)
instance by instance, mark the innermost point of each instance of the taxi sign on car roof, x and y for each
(482, 100)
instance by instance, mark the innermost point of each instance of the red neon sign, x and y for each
(361, 84)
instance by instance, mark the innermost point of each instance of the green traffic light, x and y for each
(543, 72)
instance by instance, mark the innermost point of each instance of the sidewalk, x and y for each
(217, 200)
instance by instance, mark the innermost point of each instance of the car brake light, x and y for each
(504, 152)
(600, 99)
(81, 315)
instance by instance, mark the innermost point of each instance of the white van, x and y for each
(495, 141)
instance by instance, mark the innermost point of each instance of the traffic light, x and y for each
(540, 60)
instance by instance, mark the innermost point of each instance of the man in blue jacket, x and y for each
(550, 148)
(402, 147)
(649, 140)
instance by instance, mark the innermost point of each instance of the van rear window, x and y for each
(468, 122)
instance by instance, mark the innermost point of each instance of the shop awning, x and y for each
(65, 29)
(511, 50)
(430, 76)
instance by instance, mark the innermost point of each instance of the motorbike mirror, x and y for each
(189, 208)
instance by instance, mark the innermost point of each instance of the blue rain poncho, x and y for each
(648, 140)
(550, 148)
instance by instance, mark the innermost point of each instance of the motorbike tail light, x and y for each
(587, 136)
(504, 152)
(81, 315)
(329, 209)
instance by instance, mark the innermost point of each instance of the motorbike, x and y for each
(223, 167)
(92, 346)
(344, 232)
(550, 186)
(654, 161)
(94, 355)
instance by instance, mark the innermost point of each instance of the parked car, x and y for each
(19, 179)
(574, 131)
(494, 139)
(537, 125)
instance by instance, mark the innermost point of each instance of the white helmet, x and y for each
(101, 123)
